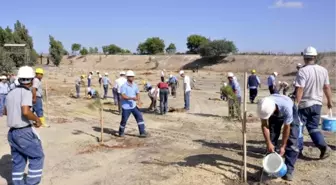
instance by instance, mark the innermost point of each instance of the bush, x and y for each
(56, 50)
(217, 48)
(194, 42)
(151, 46)
(84, 51)
(171, 49)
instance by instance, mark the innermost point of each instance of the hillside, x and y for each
(285, 65)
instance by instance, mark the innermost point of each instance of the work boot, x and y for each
(44, 124)
(301, 156)
(288, 177)
(121, 135)
(143, 135)
(325, 152)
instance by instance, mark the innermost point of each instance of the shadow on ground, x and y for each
(219, 161)
(205, 61)
(111, 131)
(6, 168)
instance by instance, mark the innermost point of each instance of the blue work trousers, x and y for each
(77, 91)
(105, 90)
(187, 100)
(115, 95)
(89, 82)
(310, 117)
(292, 147)
(38, 107)
(2, 103)
(163, 101)
(138, 117)
(25, 147)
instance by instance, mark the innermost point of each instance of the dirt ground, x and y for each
(198, 147)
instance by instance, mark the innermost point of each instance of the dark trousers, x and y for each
(105, 90)
(173, 89)
(187, 100)
(77, 91)
(138, 117)
(115, 95)
(163, 101)
(153, 103)
(310, 117)
(272, 89)
(253, 94)
(292, 147)
(25, 148)
(89, 82)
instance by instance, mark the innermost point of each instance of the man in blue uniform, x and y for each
(253, 83)
(24, 142)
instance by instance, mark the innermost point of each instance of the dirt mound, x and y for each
(284, 65)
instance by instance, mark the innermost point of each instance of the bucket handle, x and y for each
(330, 113)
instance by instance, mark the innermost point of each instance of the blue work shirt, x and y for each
(285, 105)
(4, 88)
(253, 82)
(106, 80)
(271, 80)
(172, 80)
(130, 90)
(235, 87)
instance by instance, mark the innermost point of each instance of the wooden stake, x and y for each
(244, 129)
(47, 100)
(101, 124)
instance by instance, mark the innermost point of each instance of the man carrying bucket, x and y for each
(274, 111)
(311, 82)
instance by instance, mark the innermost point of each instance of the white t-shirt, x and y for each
(100, 76)
(119, 82)
(162, 73)
(151, 93)
(186, 82)
(90, 76)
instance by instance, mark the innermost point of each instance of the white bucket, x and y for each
(274, 165)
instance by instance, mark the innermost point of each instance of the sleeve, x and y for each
(300, 80)
(326, 80)
(27, 98)
(123, 89)
(35, 83)
(137, 89)
(288, 116)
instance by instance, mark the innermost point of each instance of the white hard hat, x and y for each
(266, 108)
(130, 73)
(170, 75)
(3, 77)
(97, 71)
(298, 65)
(122, 73)
(181, 72)
(26, 72)
(106, 74)
(310, 52)
(230, 74)
(275, 73)
(16, 82)
(225, 84)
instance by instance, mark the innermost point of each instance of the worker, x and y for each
(186, 90)
(4, 89)
(173, 82)
(311, 82)
(99, 78)
(164, 91)
(116, 89)
(233, 82)
(79, 82)
(90, 78)
(284, 86)
(106, 81)
(293, 94)
(92, 93)
(153, 94)
(253, 83)
(271, 81)
(38, 95)
(276, 111)
(25, 143)
(130, 95)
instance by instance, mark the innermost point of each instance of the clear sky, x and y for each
(254, 25)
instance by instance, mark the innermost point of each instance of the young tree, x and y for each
(75, 47)
(194, 42)
(95, 50)
(171, 49)
(217, 48)
(113, 49)
(84, 51)
(56, 50)
(153, 45)
(91, 50)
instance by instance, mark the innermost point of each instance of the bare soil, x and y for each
(198, 147)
